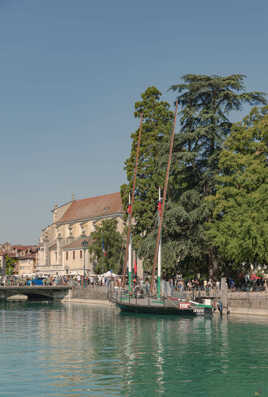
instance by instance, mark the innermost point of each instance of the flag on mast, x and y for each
(159, 205)
(135, 266)
(129, 209)
(103, 248)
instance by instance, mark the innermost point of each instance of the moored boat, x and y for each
(163, 306)
(155, 304)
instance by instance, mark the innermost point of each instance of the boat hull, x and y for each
(157, 309)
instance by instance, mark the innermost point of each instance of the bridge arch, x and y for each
(53, 293)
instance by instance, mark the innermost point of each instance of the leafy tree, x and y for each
(10, 264)
(107, 247)
(157, 124)
(178, 239)
(206, 103)
(240, 223)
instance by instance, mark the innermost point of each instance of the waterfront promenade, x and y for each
(72, 290)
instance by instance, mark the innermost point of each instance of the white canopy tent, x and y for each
(109, 274)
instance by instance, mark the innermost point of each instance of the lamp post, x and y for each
(84, 244)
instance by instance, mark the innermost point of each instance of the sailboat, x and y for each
(154, 304)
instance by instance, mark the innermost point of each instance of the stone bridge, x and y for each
(36, 292)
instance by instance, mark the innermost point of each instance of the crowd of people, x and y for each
(179, 285)
(53, 280)
(169, 286)
(176, 286)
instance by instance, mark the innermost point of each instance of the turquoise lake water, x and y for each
(83, 350)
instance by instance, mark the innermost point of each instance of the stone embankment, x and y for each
(90, 295)
(249, 303)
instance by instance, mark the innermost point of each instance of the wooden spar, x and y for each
(132, 201)
(152, 287)
(159, 258)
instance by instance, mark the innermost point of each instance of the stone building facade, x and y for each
(61, 250)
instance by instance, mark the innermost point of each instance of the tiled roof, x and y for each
(93, 207)
(77, 244)
(23, 247)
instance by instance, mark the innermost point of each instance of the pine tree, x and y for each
(206, 103)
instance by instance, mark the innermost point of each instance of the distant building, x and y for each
(25, 256)
(60, 243)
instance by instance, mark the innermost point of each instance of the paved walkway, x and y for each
(89, 301)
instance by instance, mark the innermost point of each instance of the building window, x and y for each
(66, 256)
(73, 254)
(81, 254)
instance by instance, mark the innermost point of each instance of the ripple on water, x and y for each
(59, 350)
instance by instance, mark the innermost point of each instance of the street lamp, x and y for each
(84, 244)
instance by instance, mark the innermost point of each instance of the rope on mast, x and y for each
(130, 208)
(152, 286)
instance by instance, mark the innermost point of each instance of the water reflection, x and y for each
(73, 350)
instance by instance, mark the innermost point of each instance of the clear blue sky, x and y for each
(71, 71)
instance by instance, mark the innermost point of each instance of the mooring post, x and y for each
(224, 294)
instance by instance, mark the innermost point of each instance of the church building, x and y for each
(61, 249)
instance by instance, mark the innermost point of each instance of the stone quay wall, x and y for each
(89, 293)
(250, 303)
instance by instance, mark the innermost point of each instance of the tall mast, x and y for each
(130, 207)
(129, 250)
(156, 252)
(159, 251)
